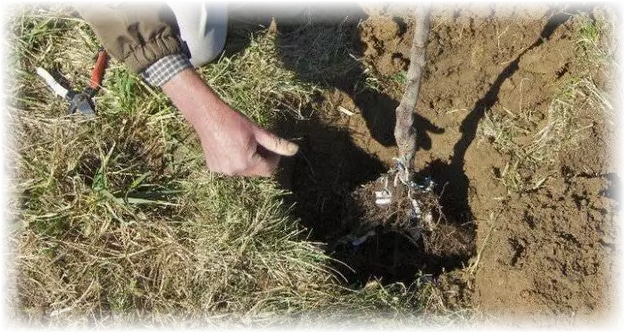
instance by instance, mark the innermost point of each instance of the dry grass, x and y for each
(238, 80)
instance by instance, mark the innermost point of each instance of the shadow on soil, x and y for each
(330, 166)
(455, 202)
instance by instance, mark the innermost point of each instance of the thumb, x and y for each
(275, 143)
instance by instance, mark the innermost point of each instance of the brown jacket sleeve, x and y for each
(139, 34)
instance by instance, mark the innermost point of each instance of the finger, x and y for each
(264, 163)
(275, 143)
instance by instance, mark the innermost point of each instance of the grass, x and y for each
(535, 160)
(117, 222)
(237, 82)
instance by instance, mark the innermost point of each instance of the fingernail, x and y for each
(293, 148)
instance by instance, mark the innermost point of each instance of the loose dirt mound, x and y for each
(536, 187)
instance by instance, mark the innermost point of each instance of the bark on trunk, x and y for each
(405, 133)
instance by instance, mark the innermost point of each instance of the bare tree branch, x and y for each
(405, 133)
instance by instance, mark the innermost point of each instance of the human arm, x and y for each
(145, 37)
(137, 33)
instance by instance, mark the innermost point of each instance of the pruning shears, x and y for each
(79, 101)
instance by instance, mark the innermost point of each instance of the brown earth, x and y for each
(536, 253)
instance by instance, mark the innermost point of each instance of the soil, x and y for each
(534, 254)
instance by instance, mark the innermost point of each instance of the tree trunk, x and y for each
(405, 133)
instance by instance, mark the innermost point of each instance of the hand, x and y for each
(232, 144)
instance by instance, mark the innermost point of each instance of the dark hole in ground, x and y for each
(400, 248)
(323, 178)
(330, 166)
(324, 172)
(384, 257)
